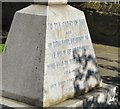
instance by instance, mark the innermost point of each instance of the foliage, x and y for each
(100, 7)
(1, 48)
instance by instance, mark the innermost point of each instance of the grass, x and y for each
(1, 48)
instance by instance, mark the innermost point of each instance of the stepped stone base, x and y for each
(106, 96)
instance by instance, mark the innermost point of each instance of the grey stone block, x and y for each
(48, 56)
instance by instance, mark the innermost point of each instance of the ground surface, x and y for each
(108, 62)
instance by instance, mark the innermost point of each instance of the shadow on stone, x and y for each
(85, 73)
(113, 81)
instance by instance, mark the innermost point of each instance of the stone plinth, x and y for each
(102, 97)
(48, 56)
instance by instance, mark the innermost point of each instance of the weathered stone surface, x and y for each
(48, 56)
(64, 36)
(23, 58)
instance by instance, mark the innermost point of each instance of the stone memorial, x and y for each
(48, 56)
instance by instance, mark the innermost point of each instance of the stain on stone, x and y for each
(39, 60)
(37, 47)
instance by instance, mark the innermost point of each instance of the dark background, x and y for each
(104, 24)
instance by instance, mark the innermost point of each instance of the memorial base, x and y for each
(100, 97)
(39, 62)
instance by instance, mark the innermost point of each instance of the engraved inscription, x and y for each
(65, 37)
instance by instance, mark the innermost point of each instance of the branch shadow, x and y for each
(93, 103)
(107, 59)
(85, 73)
(109, 67)
(84, 60)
